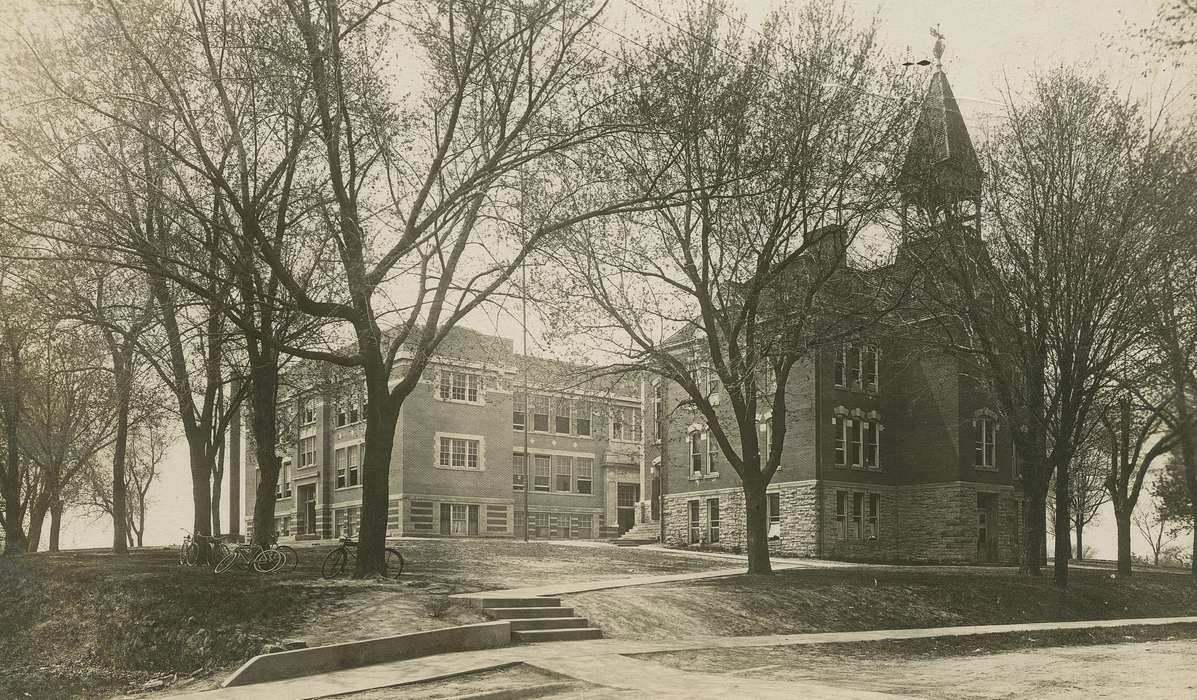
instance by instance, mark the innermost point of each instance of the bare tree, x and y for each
(1051, 299)
(783, 139)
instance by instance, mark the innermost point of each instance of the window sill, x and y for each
(466, 402)
(347, 488)
(701, 477)
(985, 469)
(460, 469)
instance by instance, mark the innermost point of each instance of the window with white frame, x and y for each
(871, 429)
(854, 366)
(773, 511)
(712, 520)
(841, 515)
(542, 479)
(282, 487)
(460, 386)
(841, 366)
(857, 515)
(563, 468)
(854, 442)
(871, 517)
(519, 466)
(584, 474)
(342, 415)
(695, 523)
(696, 453)
(986, 443)
(869, 366)
(355, 453)
(712, 464)
(626, 423)
(339, 464)
(841, 440)
(764, 439)
(307, 412)
(582, 414)
(561, 416)
(307, 452)
(459, 453)
(519, 411)
(658, 408)
(459, 518)
(540, 413)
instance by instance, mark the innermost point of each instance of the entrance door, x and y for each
(625, 505)
(656, 496)
(306, 517)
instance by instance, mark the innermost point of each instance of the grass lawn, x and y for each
(832, 600)
(86, 624)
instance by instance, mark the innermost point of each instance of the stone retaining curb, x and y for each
(335, 657)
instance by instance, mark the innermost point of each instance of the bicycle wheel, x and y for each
(193, 553)
(292, 558)
(334, 563)
(268, 561)
(228, 561)
(245, 555)
(394, 562)
(183, 554)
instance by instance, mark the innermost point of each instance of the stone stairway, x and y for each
(538, 619)
(641, 533)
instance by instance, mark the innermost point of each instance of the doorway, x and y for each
(306, 516)
(626, 497)
(986, 527)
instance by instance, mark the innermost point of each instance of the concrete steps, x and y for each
(548, 623)
(641, 533)
(537, 618)
(526, 613)
(561, 635)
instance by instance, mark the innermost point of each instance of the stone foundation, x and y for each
(919, 523)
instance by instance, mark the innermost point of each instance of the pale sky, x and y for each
(989, 43)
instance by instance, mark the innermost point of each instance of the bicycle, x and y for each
(264, 560)
(334, 561)
(205, 549)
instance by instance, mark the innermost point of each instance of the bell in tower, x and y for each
(941, 177)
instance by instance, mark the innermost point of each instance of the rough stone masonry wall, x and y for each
(938, 522)
(886, 545)
(798, 508)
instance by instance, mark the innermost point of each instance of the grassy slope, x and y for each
(798, 601)
(87, 624)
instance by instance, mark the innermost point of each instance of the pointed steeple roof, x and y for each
(941, 165)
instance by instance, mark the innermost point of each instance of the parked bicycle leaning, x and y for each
(335, 561)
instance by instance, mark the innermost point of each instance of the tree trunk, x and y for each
(235, 467)
(1080, 540)
(1187, 444)
(15, 541)
(201, 495)
(55, 523)
(217, 483)
(376, 474)
(1122, 518)
(1034, 524)
(263, 380)
(757, 524)
(1063, 524)
(37, 517)
(120, 506)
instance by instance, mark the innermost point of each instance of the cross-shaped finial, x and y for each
(938, 48)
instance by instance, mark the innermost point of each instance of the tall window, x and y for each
(307, 412)
(582, 412)
(282, 488)
(841, 440)
(854, 442)
(658, 407)
(459, 453)
(857, 514)
(561, 416)
(765, 435)
(870, 444)
(564, 470)
(636, 418)
(868, 361)
(584, 474)
(695, 527)
(696, 452)
(853, 366)
(841, 514)
(986, 437)
(841, 366)
(871, 531)
(519, 411)
(712, 520)
(339, 462)
(519, 465)
(357, 410)
(773, 510)
(540, 413)
(307, 452)
(460, 386)
(459, 519)
(354, 453)
(342, 415)
(542, 479)
(712, 454)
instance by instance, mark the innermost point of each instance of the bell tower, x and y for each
(941, 177)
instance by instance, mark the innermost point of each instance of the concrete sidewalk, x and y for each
(605, 662)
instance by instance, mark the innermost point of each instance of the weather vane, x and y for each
(938, 49)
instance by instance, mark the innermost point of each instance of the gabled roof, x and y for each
(941, 165)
